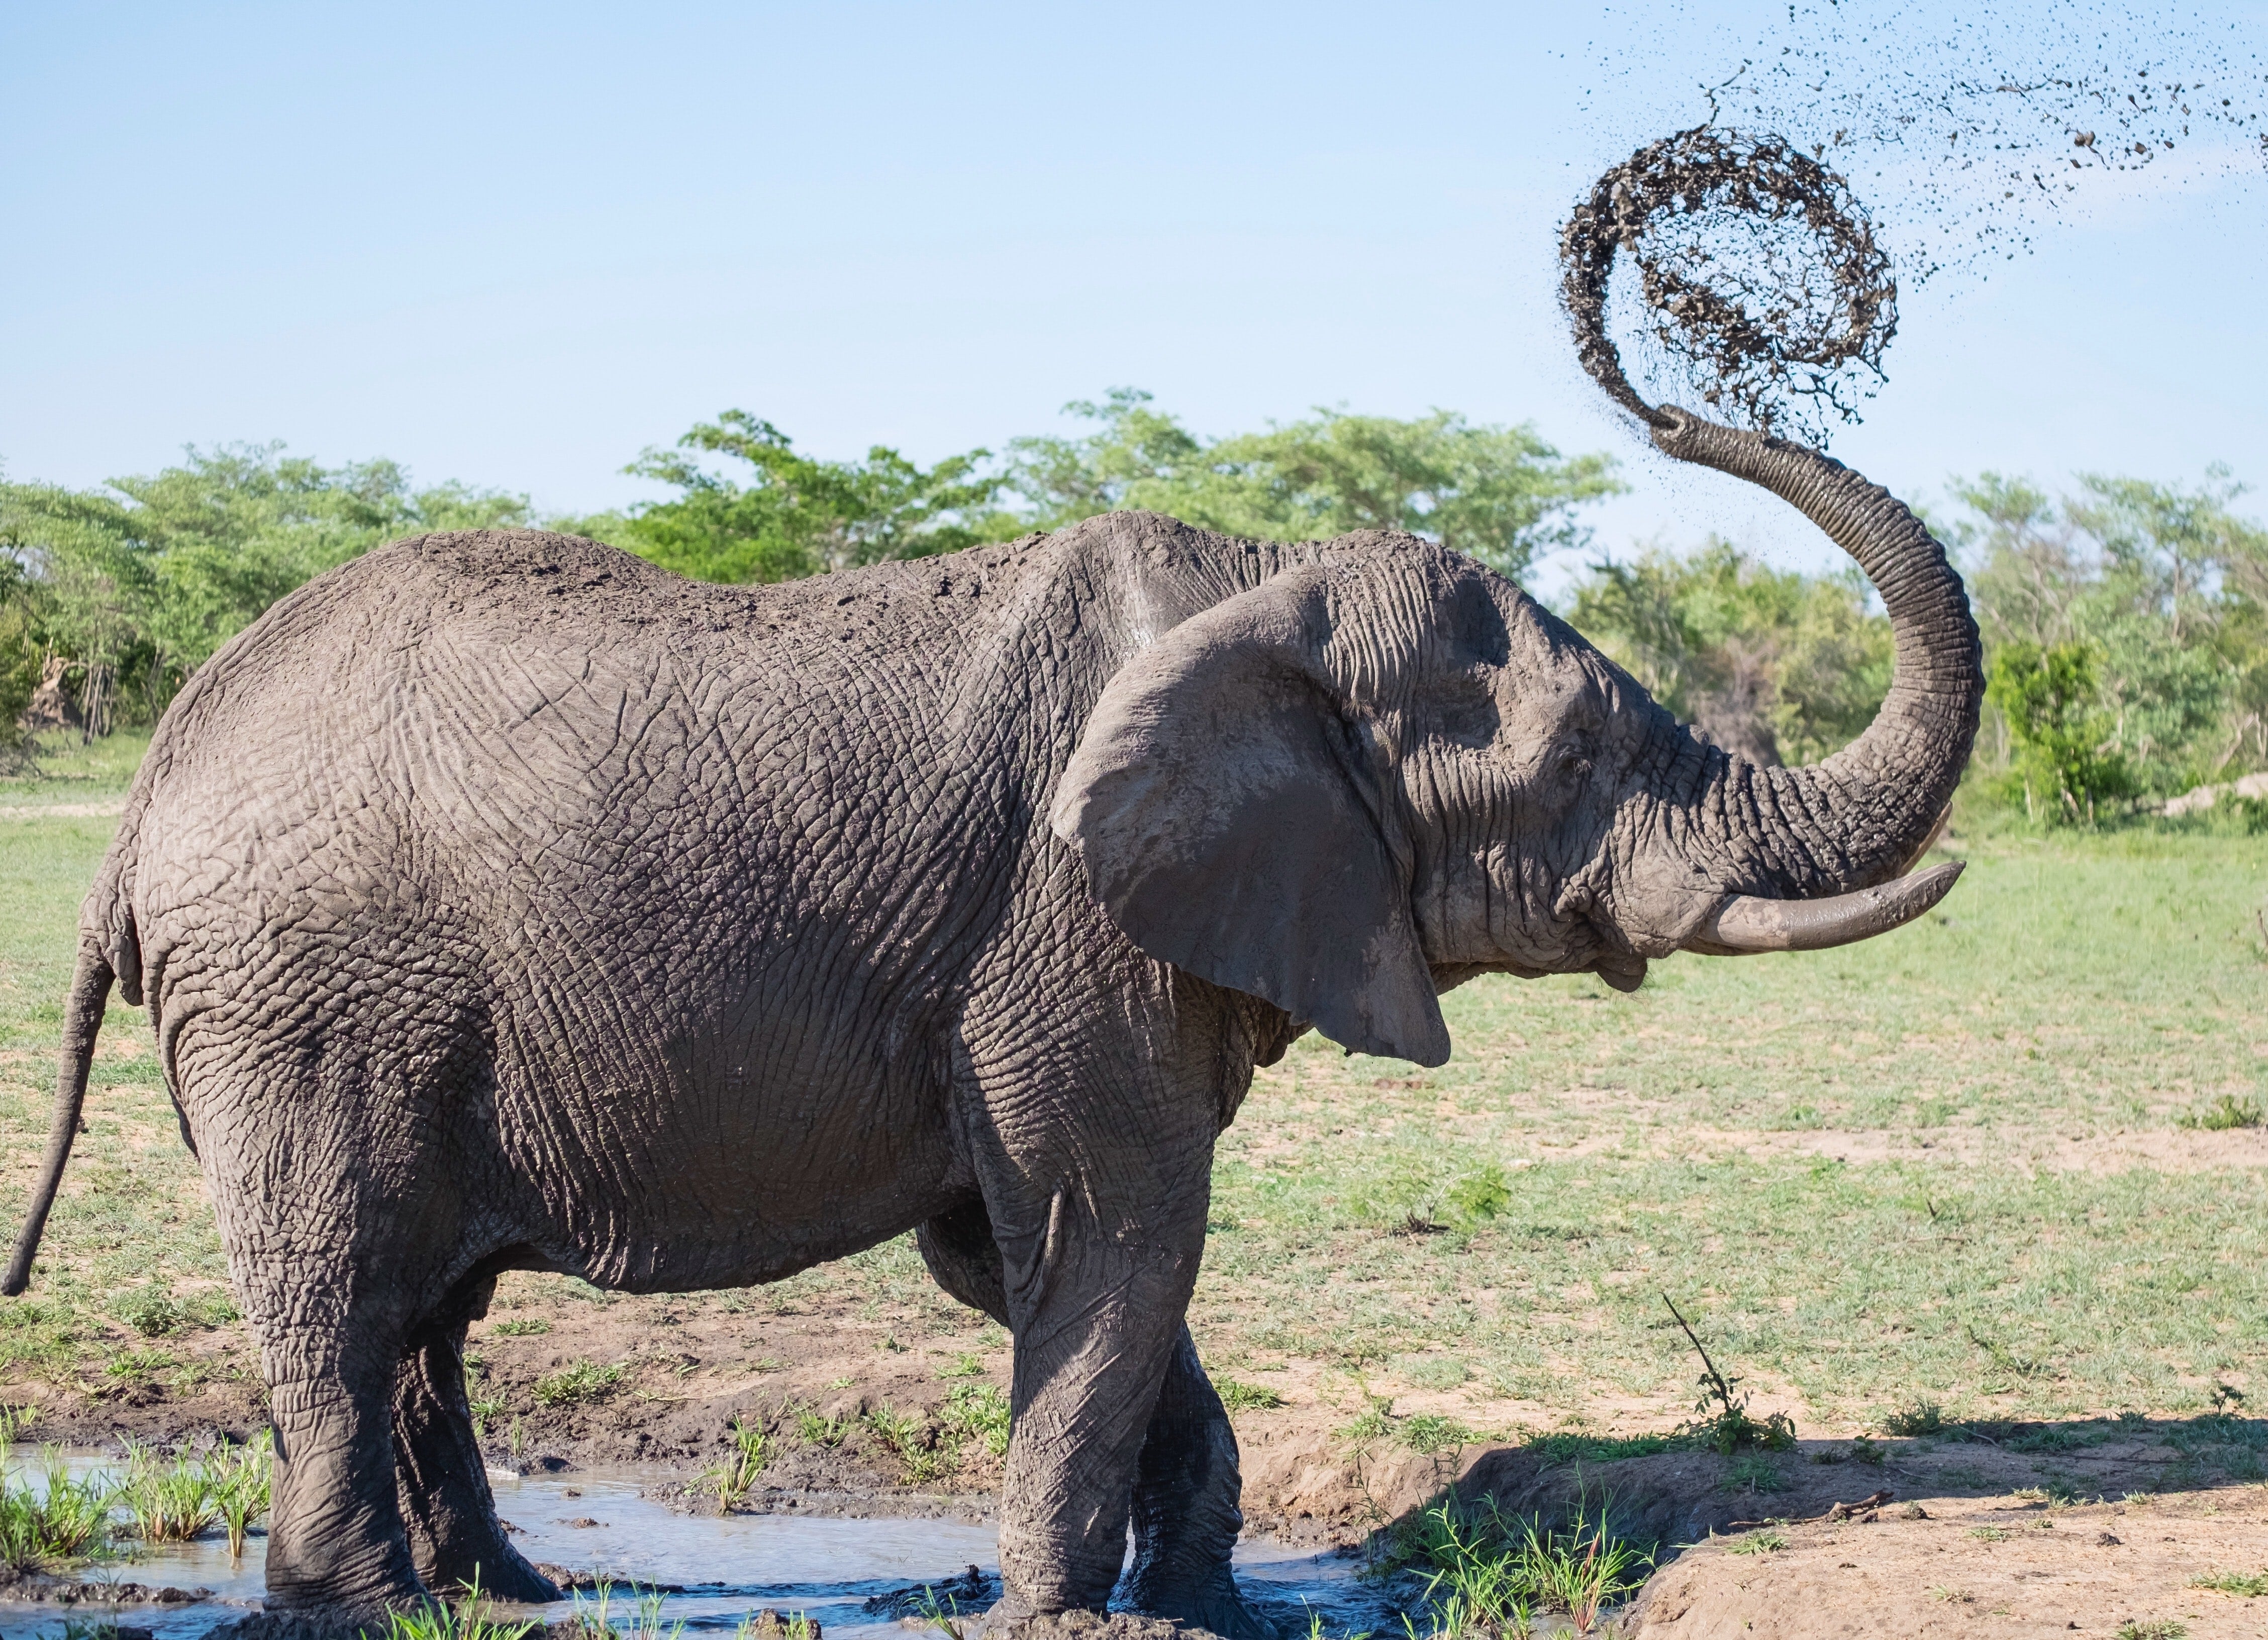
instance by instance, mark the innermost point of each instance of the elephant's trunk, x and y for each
(1865, 815)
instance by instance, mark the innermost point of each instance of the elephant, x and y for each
(501, 901)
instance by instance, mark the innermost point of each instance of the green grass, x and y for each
(1883, 1176)
(576, 1383)
(737, 1473)
(1487, 1571)
(439, 1620)
(2252, 1585)
(1238, 1396)
(55, 1520)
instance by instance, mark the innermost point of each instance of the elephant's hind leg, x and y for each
(448, 1509)
(1187, 1513)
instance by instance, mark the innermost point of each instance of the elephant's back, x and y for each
(473, 739)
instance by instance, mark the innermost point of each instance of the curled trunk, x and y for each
(1865, 815)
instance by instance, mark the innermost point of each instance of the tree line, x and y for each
(2125, 621)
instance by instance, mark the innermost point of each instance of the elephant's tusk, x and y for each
(1746, 923)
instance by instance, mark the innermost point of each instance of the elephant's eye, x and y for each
(1570, 765)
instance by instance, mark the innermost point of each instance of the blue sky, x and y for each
(514, 244)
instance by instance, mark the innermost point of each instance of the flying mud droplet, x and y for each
(1753, 285)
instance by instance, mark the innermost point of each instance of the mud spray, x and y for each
(1733, 267)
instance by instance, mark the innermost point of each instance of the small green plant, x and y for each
(171, 1500)
(2252, 1584)
(2226, 1113)
(1721, 1419)
(1868, 1451)
(55, 1522)
(486, 1410)
(937, 1616)
(521, 1326)
(151, 1311)
(1990, 1535)
(908, 1438)
(577, 1382)
(1427, 1433)
(1238, 1396)
(2156, 1628)
(243, 1479)
(1372, 1424)
(647, 1625)
(1490, 1572)
(1764, 1541)
(736, 1475)
(437, 1620)
(816, 1429)
(977, 1412)
(964, 1366)
(1479, 1197)
(771, 1625)
(1753, 1471)
(594, 1618)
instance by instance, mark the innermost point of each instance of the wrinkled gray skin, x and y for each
(503, 902)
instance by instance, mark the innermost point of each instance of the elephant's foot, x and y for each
(1210, 1603)
(503, 1574)
(306, 1623)
(1005, 1622)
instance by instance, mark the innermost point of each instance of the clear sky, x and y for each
(512, 245)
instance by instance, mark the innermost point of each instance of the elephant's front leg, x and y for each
(1188, 1487)
(1096, 1304)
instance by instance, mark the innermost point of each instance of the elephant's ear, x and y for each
(1232, 824)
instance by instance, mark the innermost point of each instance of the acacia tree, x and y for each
(1771, 664)
(133, 584)
(791, 515)
(2163, 590)
(1501, 494)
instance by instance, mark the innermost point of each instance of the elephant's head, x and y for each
(1381, 773)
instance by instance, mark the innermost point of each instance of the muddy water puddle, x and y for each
(613, 1522)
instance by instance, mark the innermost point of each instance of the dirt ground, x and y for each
(2074, 1527)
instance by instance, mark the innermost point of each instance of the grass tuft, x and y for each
(736, 1475)
(576, 1383)
(55, 1520)
(1490, 1572)
(1764, 1541)
(1916, 1417)
(1238, 1396)
(2225, 1113)
(2250, 1584)
(438, 1620)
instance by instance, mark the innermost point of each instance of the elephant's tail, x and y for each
(90, 992)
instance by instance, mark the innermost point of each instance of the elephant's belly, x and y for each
(705, 1178)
